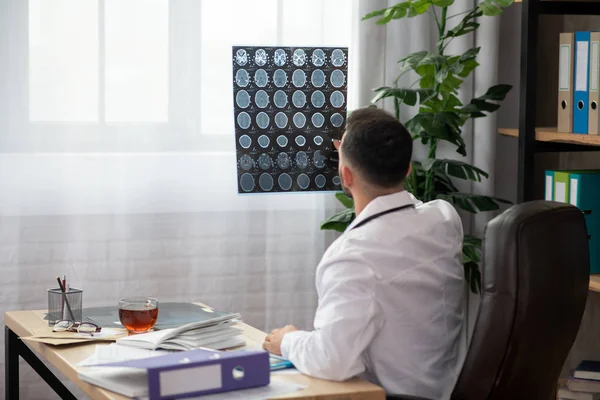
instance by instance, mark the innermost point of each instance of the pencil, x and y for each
(62, 289)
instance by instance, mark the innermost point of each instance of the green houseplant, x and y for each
(440, 117)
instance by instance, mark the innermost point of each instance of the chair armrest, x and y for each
(404, 397)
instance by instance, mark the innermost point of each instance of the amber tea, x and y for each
(138, 314)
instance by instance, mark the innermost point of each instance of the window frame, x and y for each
(181, 133)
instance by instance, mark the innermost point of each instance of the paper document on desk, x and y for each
(274, 389)
(45, 335)
(116, 353)
(218, 334)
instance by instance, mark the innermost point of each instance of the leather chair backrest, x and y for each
(534, 288)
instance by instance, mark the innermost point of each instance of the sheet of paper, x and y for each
(274, 389)
(116, 353)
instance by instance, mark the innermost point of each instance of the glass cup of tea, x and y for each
(138, 314)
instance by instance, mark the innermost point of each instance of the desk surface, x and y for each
(65, 357)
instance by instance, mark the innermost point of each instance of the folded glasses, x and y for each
(66, 325)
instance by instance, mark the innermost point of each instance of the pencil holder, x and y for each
(64, 305)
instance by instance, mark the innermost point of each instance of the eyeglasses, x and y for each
(65, 325)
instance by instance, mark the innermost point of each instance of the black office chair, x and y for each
(535, 282)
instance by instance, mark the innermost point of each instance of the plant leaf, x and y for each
(340, 221)
(418, 7)
(456, 168)
(497, 93)
(407, 96)
(377, 13)
(490, 8)
(443, 3)
(345, 200)
(442, 125)
(472, 203)
(472, 276)
(481, 103)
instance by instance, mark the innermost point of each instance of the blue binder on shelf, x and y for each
(549, 186)
(584, 193)
(581, 93)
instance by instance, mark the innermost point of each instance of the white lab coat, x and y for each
(391, 301)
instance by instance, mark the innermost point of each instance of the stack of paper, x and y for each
(217, 333)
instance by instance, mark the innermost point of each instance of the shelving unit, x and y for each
(534, 139)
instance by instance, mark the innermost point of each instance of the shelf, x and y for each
(551, 135)
(595, 283)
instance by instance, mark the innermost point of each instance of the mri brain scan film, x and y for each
(289, 103)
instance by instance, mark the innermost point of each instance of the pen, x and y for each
(62, 288)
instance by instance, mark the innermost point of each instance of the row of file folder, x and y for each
(580, 188)
(578, 82)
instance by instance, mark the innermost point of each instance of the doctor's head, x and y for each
(374, 154)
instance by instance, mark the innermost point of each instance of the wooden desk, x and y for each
(64, 358)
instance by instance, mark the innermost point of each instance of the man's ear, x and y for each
(409, 169)
(347, 176)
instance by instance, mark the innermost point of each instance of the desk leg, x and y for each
(11, 364)
(14, 348)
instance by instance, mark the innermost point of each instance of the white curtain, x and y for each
(117, 158)
(117, 161)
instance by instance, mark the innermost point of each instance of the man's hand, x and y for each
(272, 342)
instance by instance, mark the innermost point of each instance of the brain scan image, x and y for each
(299, 99)
(265, 182)
(244, 120)
(300, 140)
(280, 99)
(299, 57)
(303, 181)
(299, 78)
(265, 162)
(317, 78)
(319, 159)
(247, 182)
(261, 98)
(317, 99)
(242, 78)
(260, 57)
(283, 161)
(285, 181)
(242, 99)
(241, 57)
(264, 141)
(338, 58)
(337, 78)
(279, 78)
(281, 120)
(337, 99)
(289, 105)
(282, 141)
(301, 159)
(262, 120)
(320, 180)
(318, 120)
(246, 162)
(299, 120)
(245, 141)
(280, 57)
(318, 58)
(261, 78)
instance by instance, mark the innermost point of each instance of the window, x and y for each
(144, 75)
(98, 61)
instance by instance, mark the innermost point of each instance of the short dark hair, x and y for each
(378, 145)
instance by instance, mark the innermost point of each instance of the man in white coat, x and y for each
(391, 288)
